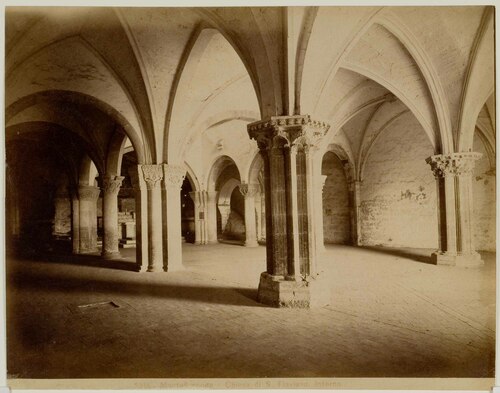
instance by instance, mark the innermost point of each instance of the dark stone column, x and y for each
(287, 144)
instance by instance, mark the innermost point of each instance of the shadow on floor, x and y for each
(91, 260)
(26, 279)
(404, 253)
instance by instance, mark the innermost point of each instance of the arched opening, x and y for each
(336, 201)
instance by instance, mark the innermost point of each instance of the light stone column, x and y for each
(111, 186)
(199, 199)
(249, 191)
(211, 217)
(258, 209)
(318, 208)
(141, 218)
(355, 202)
(75, 223)
(173, 176)
(453, 173)
(288, 145)
(153, 174)
(88, 196)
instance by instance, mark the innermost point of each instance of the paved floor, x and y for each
(391, 314)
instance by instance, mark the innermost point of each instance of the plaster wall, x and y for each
(484, 185)
(398, 191)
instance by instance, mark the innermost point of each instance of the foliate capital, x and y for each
(280, 131)
(248, 190)
(454, 164)
(152, 175)
(174, 175)
(88, 193)
(111, 184)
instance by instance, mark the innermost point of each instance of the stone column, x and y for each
(354, 187)
(249, 191)
(453, 173)
(225, 211)
(172, 222)
(287, 144)
(75, 223)
(211, 218)
(153, 174)
(141, 218)
(318, 208)
(88, 218)
(199, 199)
(110, 186)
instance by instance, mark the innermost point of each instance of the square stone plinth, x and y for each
(277, 292)
(460, 260)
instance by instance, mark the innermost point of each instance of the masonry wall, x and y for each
(484, 195)
(336, 212)
(398, 190)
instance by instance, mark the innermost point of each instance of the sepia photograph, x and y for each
(236, 197)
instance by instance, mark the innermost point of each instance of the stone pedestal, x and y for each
(287, 144)
(88, 218)
(128, 235)
(453, 173)
(111, 186)
(278, 292)
(172, 222)
(249, 191)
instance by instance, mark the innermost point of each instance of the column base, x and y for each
(111, 255)
(140, 268)
(88, 251)
(460, 260)
(251, 244)
(277, 292)
(155, 269)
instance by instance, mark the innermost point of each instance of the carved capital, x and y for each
(88, 193)
(112, 184)
(455, 164)
(248, 190)
(174, 175)
(152, 175)
(280, 131)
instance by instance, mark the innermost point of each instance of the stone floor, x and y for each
(391, 314)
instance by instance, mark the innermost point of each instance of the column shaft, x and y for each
(111, 187)
(212, 217)
(153, 174)
(88, 218)
(172, 223)
(249, 191)
(75, 224)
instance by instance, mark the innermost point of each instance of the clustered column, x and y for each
(287, 144)
(88, 196)
(111, 186)
(249, 191)
(453, 173)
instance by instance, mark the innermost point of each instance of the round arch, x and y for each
(216, 168)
